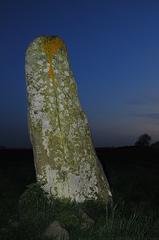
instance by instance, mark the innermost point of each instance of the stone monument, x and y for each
(64, 156)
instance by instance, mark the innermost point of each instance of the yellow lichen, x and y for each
(51, 46)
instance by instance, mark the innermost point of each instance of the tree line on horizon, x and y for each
(144, 140)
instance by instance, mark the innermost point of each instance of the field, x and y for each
(133, 174)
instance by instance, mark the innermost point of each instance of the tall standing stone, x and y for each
(64, 156)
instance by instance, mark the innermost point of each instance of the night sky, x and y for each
(114, 54)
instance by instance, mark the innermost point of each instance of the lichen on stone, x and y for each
(63, 151)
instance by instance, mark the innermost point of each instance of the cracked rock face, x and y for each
(64, 156)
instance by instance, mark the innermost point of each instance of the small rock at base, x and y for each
(55, 230)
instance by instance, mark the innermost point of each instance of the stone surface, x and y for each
(56, 231)
(65, 159)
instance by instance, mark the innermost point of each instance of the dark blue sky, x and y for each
(114, 53)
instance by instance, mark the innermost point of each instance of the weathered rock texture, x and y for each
(64, 156)
(56, 231)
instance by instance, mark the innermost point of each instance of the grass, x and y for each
(36, 212)
(25, 213)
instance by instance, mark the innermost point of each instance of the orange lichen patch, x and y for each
(51, 46)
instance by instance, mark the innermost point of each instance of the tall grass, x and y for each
(36, 211)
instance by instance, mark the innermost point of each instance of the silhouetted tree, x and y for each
(155, 145)
(143, 140)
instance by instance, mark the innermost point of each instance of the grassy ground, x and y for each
(133, 174)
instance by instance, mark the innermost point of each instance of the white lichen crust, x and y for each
(64, 155)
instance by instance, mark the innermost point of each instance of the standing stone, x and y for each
(64, 156)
